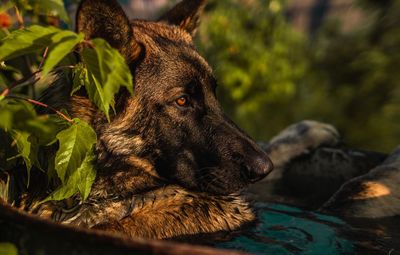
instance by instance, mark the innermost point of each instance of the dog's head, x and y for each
(174, 120)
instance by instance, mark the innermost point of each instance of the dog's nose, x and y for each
(259, 167)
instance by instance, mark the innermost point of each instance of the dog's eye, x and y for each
(182, 101)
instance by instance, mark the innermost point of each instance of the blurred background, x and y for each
(279, 62)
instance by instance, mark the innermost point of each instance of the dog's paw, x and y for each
(299, 138)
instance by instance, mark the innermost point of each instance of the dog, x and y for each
(170, 163)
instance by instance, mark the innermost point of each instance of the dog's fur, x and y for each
(164, 170)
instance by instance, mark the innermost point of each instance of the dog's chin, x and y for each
(223, 190)
(216, 186)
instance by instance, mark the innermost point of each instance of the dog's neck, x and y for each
(134, 176)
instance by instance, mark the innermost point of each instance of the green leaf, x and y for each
(24, 41)
(20, 115)
(97, 96)
(80, 180)
(85, 175)
(24, 147)
(60, 50)
(8, 249)
(114, 70)
(80, 78)
(51, 171)
(14, 114)
(75, 142)
(52, 7)
(7, 151)
(74, 161)
(45, 128)
(27, 148)
(108, 71)
(33, 39)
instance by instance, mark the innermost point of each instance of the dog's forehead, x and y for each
(170, 45)
(145, 30)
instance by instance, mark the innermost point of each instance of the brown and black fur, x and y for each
(163, 170)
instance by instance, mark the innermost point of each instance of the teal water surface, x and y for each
(286, 230)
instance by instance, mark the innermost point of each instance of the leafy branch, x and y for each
(101, 73)
(34, 77)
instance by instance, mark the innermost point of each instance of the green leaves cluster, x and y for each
(54, 143)
(43, 7)
(37, 38)
(8, 249)
(30, 133)
(105, 73)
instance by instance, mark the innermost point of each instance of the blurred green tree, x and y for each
(354, 82)
(258, 60)
(271, 76)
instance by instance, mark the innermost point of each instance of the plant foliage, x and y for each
(8, 249)
(29, 55)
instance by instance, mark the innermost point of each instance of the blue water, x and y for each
(287, 230)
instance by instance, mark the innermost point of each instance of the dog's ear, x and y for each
(186, 15)
(106, 19)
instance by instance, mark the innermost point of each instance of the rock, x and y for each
(375, 194)
(296, 140)
(310, 179)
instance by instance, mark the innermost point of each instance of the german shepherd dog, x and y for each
(170, 163)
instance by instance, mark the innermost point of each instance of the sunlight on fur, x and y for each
(372, 190)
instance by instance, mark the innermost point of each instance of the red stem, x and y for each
(5, 92)
(43, 58)
(16, 83)
(62, 115)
